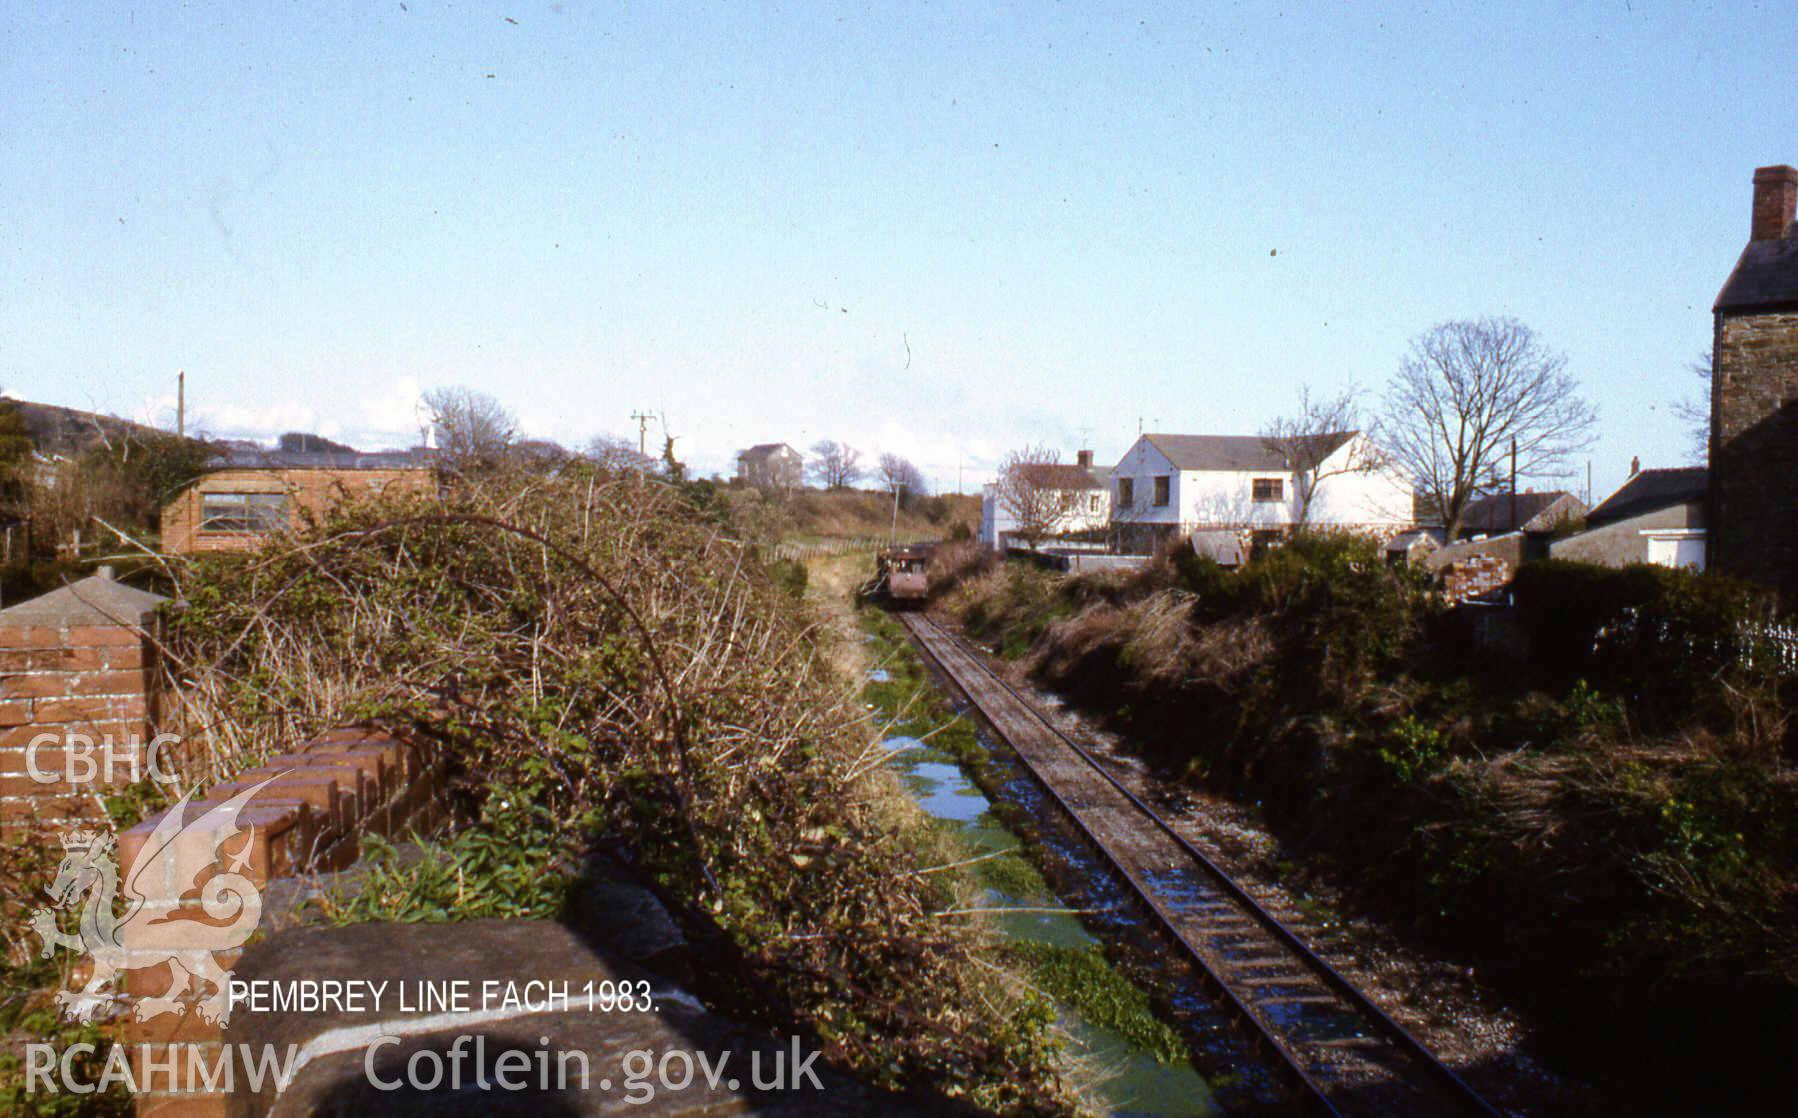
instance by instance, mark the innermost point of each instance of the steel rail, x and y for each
(1397, 1034)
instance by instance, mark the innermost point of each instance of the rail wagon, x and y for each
(903, 578)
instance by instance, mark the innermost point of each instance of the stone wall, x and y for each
(1754, 454)
(313, 491)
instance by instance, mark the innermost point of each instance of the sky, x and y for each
(939, 230)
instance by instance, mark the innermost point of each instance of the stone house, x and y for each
(771, 466)
(1180, 484)
(1753, 497)
(1657, 516)
(246, 495)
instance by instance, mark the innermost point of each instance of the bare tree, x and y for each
(836, 465)
(1466, 394)
(899, 476)
(619, 455)
(473, 429)
(538, 454)
(1039, 493)
(1695, 412)
(1318, 442)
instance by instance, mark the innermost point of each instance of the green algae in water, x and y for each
(1137, 1062)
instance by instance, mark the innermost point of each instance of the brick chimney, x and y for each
(1084, 458)
(1775, 201)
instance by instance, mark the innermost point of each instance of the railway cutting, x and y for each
(1339, 1052)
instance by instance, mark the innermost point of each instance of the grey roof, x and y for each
(1060, 475)
(1650, 491)
(1490, 516)
(1765, 277)
(1233, 452)
(236, 459)
(95, 600)
(764, 450)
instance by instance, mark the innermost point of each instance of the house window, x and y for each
(1269, 489)
(243, 512)
(1161, 492)
(1092, 503)
(1126, 492)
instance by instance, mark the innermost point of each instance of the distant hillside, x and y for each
(856, 512)
(67, 432)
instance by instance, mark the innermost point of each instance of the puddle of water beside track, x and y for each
(1131, 1081)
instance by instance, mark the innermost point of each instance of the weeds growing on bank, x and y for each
(607, 668)
(1617, 808)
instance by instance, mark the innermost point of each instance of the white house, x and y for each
(1078, 490)
(1168, 484)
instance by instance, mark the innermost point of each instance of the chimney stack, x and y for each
(1775, 201)
(1084, 458)
(1635, 465)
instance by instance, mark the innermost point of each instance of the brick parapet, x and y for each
(317, 806)
(78, 702)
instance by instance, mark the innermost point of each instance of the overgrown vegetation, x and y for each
(28, 981)
(1606, 827)
(607, 669)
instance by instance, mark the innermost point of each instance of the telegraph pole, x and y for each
(642, 418)
(181, 403)
(1514, 524)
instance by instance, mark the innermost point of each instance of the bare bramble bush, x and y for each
(586, 644)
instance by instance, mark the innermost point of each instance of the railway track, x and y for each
(1339, 1052)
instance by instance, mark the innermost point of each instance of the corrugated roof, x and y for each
(1233, 452)
(238, 459)
(1765, 276)
(1650, 491)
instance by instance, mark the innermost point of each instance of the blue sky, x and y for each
(938, 229)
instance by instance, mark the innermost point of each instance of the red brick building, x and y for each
(248, 495)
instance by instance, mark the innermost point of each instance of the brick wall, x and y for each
(77, 674)
(325, 797)
(1754, 458)
(313, 491)
(1475, 577)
